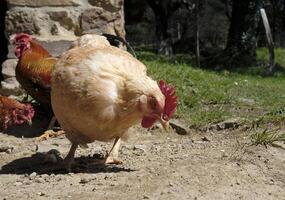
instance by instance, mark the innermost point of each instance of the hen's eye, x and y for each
(153, 103)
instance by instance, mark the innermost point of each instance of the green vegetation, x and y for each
(267, 137)
(262, 54)
(208, 97)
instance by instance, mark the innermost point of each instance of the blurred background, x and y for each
(164, 26)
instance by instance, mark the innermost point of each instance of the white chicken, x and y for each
(99, 91)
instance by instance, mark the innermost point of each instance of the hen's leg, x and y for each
(49, 133)
(52, 122)
(112, 156)
(66, 163)
(69, 159)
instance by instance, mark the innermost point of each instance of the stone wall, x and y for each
(55, 24)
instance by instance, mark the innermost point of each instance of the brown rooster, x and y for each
(33, 72)
(14, 112)
(99, 92)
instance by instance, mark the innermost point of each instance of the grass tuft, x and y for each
(267, 137)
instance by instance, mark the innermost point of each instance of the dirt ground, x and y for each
(157, 165)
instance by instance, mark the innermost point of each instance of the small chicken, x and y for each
(14, 112)
(33, 72)
(100, 91)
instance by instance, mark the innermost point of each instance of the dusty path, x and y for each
(156, 166)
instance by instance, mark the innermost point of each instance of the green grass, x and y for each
(207, 97)
(267, 137)
(262, 54)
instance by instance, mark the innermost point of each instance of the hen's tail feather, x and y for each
(115, 41)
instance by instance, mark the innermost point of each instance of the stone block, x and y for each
(8, 68)
(63, 18)
(40, 3)
(21, 21)
(97, 20)
(108, 5)
(11, 86)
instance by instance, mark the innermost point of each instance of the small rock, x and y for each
(223, 154)
(205, 139)
(33, 175)
(44, 176)
(26, 182)
(179, 127)
(232, 123)
(41, 194)
(6, 149)
(140, 147)
(58, 178)
(83, 181)
(39, 180)
(18, 183)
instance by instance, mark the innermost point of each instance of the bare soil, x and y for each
(157, 165)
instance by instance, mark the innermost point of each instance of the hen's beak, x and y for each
(29, 122)
(164, 123)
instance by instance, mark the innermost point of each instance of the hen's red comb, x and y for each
(170, 99)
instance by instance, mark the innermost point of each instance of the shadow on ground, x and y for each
(36, 163)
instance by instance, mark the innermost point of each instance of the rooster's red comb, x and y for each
(20, 36)
(170, 99)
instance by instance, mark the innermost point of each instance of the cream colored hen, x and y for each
(100, 91)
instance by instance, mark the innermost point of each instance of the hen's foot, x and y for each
(49, 134)
(108, 160)
(111, 160)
